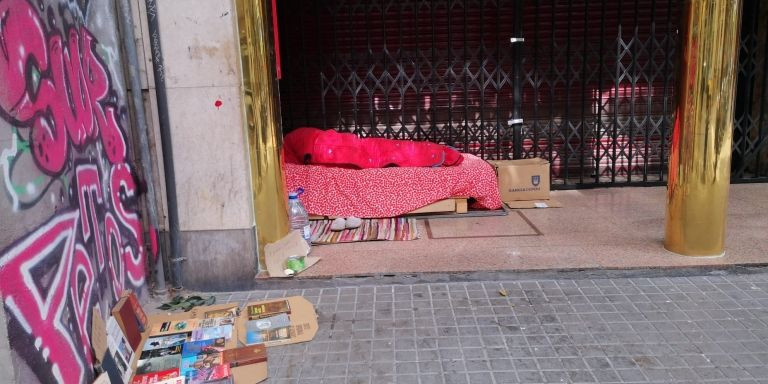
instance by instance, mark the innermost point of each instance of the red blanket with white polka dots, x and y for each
(388, 192)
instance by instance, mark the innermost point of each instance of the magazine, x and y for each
(119, 349)
(157, 342)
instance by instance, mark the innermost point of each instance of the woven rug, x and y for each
(397, 229)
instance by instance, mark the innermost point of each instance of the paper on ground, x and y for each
(291, 245)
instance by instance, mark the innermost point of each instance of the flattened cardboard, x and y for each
(524, 179)
(276, 253)
(128, 321)
(303, 321)
(121, 352)
(526, 204)
(247, 374)
(98, 335)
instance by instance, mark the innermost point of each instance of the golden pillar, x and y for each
(700, 157)
(262, 124)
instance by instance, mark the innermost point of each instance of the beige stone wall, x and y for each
(199, 40)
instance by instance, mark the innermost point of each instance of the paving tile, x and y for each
(691, 329)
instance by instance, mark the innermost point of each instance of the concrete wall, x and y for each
(202, 67)
(70, 233)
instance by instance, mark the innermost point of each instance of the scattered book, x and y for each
(158, 342)
(236, 357)
(173, 327)
(207, 333)
(175, 380)
(265, 329)
(204, 366)
(210, 374)
(272, 308)
(230, 312)
(194, 348)
(160, 352)
(161, 362)
(215, 322)
(259, 336)
(158, 377)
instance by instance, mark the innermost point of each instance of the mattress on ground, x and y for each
(389, 192)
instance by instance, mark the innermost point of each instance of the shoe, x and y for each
(338, 224)
(353, 222)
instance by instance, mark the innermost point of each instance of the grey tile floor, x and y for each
(695, 329)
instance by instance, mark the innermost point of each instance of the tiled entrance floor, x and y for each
(598, 228)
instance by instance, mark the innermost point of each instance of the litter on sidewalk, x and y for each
(289, 248)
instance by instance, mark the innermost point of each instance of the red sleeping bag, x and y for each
(317, 147)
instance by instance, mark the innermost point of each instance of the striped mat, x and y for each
(396, 228)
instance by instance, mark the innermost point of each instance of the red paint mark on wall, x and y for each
(276, 31)
(218, 104)
(153, 243)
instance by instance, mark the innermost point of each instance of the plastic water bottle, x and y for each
(298, 216)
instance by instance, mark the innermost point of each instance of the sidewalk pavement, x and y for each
(709, 327)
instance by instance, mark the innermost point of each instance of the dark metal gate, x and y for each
(591, 87)
(750, 134)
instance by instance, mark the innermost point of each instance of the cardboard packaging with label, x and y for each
(524, 183)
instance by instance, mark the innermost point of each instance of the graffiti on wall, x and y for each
(67, 180)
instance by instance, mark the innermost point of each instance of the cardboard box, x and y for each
(302, 326)
(525, 179)
(130, 317)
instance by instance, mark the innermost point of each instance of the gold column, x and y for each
(263, 124)
(700, 157)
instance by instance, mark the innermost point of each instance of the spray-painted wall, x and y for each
(70, 234)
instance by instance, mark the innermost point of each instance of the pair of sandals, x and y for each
(342, 223)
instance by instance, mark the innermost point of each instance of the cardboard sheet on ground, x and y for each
(291, 245)
(525, 204)
(98, 334)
